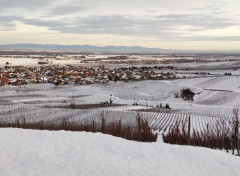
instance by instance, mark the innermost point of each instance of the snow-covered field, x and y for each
(210, 103)
(30, 62)
(38, 153)
(31, 152)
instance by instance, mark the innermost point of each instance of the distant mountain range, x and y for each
(54, 47)
(28, 46)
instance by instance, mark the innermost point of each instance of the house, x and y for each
(4, 81)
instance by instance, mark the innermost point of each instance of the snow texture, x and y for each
(38, 153)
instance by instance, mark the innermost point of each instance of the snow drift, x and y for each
(38, 153)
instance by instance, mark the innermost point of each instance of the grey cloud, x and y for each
(164, 27)
(224, 38)
(197, 20)
(23, 3)
(7, 22)
(117, 24)
(45, 23)
(114, 24)
(66, 9)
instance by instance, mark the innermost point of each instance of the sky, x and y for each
(166, 24)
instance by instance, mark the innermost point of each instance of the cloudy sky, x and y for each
(168, 24)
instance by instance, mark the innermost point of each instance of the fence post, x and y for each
(103, 123)
(189, 127)
(237, 132)
(236, 135)
(93, 126)
(18, 123)
(120, 127)
(238, 138)
(139, 127)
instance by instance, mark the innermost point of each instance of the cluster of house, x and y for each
(61, 75)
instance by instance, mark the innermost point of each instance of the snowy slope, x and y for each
(38, 153)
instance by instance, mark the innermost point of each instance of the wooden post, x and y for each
(139, 127)
(237, 131)
(18, 123)
(120, 127)
(189, 127)
(236, 126)
(238, 136)
(93, 126)
(103, 123)
(111, 101)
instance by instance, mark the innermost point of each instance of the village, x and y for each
(62, 75)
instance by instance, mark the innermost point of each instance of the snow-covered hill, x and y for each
(38, 153)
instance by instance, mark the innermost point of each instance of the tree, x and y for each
(187, 94)
(167, 106)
